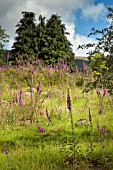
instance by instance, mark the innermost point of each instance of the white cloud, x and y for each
(80, 40)
(94, 11)
(10, 14)
(77, 40)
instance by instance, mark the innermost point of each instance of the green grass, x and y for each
(28, 148)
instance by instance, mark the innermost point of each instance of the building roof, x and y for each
(81, 58)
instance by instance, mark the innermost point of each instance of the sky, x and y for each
(79, 16)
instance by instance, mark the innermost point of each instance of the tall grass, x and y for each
(39, 131)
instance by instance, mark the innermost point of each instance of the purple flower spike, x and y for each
(98, 91)
(104, 91)
(39, 88)
(104, 130)
(43, 101)
(41, 129)
(99, 138)
(21, 101)
(75, 70)
(16, 100)
(19, 91)
(7, 87)
(6, 151)
(33, 72)
(47, 115)
(22, 55)
(69, 102)
(41, 113)
(62, 84)
(98, 128)
(49, 95)
(31, 96)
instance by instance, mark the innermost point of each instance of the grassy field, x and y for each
(37, 129)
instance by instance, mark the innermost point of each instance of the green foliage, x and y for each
(56, 46)
(3, 38)
(25, 41)
(98, 63)
(29, 148)
(79, 81)
(102, 66)
(47, 39)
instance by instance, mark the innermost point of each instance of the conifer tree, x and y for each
(41, 30)
(47, 39)
(56, 47)
(25, 41)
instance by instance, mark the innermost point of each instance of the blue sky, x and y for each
(84, 25)
(79, 16)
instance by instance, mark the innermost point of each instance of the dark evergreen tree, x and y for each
(25, 41)
(41, 31)
(47, 39)
(55, 46)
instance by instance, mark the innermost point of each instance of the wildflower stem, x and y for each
(69, 106)
(91, 130)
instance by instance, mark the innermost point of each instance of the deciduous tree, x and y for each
(105, 63)
(3, 38)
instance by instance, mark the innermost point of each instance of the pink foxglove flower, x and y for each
(41, 113)
(19, 91)
(99, 138)
(43, 101)
(98, 91)
(41, 129)
(62, 84)
(49, 95)
(104, 130)
(104, 91)
(22, 55)
(98, 128)
(39, 88)
(75, 70)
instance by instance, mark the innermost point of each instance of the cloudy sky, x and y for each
(79, 16)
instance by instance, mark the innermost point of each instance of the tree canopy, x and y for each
(25, 41)
(47, 39)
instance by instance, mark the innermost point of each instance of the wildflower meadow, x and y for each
(49, 121)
